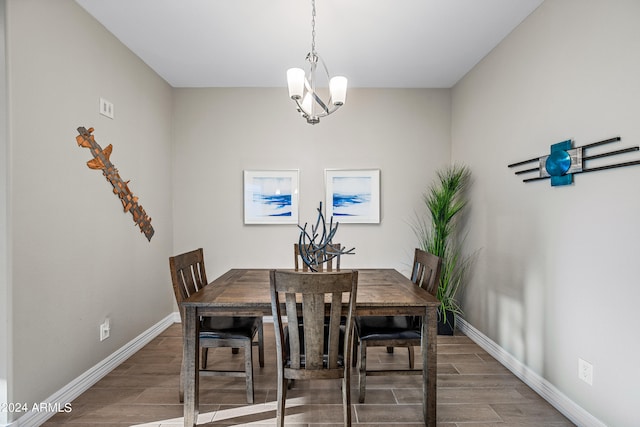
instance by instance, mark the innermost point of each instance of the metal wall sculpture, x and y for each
(564, 161)
(316, 247)
(120, 187)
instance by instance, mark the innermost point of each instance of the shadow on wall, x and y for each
(516, 312)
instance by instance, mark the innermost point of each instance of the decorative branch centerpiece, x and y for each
(316, 247)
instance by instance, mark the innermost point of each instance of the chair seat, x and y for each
(387, 327)
(228, 327)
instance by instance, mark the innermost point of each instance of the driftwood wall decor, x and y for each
(120, 187)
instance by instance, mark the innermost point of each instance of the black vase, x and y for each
(445, 328)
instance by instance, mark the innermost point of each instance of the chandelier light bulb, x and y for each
(338, 90)
(307, 107)
(295, 81)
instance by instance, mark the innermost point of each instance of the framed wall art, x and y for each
(271, 196)
(353, 195)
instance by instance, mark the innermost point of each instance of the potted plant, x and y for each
(438, 233)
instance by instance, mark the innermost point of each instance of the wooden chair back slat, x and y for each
(334, 334)
(313, 327)
(294, 350)
(426, 271)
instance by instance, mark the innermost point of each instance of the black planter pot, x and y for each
(446, 328)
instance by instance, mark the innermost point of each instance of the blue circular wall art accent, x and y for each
(565, 160)
(558, 163)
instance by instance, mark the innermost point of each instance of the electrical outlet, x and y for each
(106, 108)
(105, 330)
(585, 371)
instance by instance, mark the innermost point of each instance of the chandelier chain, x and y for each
(313, 27)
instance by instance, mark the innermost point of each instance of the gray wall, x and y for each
(557, 279)
(76, 257)
(221, 132)
(5, 296)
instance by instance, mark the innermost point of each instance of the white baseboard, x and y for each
(81, 384)
(546, 390)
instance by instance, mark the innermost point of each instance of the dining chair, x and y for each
(323, 265)
(396, 331)
(313, 348)
(189, 276)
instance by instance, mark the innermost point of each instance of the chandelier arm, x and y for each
(329, 110)
(306, 114)
(320, 103)
(314, 58)
(324, 65)
(326, 70)
(299, 105)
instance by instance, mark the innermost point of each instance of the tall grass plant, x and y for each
(439, 231)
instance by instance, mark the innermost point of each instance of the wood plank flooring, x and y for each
(474, 390)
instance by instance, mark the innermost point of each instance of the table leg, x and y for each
(190, 363)
(429, 365)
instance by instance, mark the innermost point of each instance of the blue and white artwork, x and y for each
(353, 195)
(271, 197)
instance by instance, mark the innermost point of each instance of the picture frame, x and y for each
(352, 195)
(271, 196)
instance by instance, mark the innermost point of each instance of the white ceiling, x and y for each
(251, 43)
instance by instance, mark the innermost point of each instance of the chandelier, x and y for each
(301, 87)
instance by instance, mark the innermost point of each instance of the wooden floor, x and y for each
(474, 390)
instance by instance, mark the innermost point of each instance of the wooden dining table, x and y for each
(245, 292)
